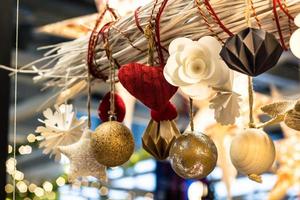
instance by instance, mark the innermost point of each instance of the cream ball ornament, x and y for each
(295, 38)
(252, 152)
(193, 155)
(294, 43)
(112, 144)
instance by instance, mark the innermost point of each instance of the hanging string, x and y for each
(89, 99)
(191, 114)
(157, 31)
(15, 97)
(278, 24)
(137, 20)
(289, 19)
(216, 18)
(254, 13)
(251, 102)
(206, 21)
(250, 81)
(127, 38)
(247, 13)
(112, 75)
(94, 38)
(285, 9)
(150, 37)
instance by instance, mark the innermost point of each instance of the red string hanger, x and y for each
(278, 24)
(216, 18)
(157, 31)
(94, 38)
(146, 81)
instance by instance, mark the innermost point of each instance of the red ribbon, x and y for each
(216, 18)
(94, 40)
(137, 20)
(285, 10)
(157, 31)
(278, 25)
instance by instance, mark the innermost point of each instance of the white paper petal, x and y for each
(171, 72)
(197, 91)
(178, 45)
(184, 78)
(211, 43)
(226, 106)
(192, 51)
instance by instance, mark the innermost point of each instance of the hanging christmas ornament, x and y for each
(112, 142)
(161, 132)
(295, 38)
(104, 107)
(283, 111)
(147, 82)
(226, 106)
(61, 127)
(252, 152)
(251, 51)
(292, 117)
(193, 64)
(193, 155)
(82, 160)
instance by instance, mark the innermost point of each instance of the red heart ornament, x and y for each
(147, 84)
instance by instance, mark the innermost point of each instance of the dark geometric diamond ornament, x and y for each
(251, 51)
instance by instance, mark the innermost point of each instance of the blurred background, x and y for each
(142, 177)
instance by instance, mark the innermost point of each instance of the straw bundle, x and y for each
(181, 18)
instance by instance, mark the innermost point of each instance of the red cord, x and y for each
(94, 40)
(278, 25)
(284, 10)
(92, 44)
(216, 18)
(157, 31)
(137, 20)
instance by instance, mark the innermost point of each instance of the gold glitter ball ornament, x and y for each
(193, 155)
(112, 144)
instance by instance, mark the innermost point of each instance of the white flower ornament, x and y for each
(295, 38)
(195, 64)
(61, 128)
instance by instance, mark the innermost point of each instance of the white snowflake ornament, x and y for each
(61, 128)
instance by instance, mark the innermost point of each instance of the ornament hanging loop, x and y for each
(251, 102)
(247, 12)
(191, 114)
(112, 75)
(250, 80)
(148, 32)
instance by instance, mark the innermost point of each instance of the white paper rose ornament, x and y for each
(196, 68)
(193, 64)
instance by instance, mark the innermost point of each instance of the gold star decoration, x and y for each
(82, 162)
